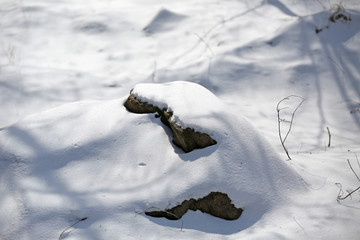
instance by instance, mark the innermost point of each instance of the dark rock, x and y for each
(216, 204)
(135, 106)
(187, 139)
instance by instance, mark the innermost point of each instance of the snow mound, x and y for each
(242, 158)
(163, 21)
(96, 160)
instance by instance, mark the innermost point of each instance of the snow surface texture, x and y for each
(250, 54)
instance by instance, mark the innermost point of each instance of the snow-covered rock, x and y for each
(186, 138)
(87, 157)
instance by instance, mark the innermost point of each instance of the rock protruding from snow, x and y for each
(216, 204)
(186, 138)
(136, 106)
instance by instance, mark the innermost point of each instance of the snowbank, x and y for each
(87, 157)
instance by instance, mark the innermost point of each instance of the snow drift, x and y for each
(94, 156)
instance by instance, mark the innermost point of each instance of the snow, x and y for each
(108, 158)
(191, 104)
(69, 149)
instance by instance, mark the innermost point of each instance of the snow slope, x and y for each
(84, 159)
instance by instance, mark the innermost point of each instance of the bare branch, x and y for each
(81, 219)
(340, 186)
(278, 109)
(298, 223)
(292, 117)
(206, 44)
(353, 170)
(349, 194)
(357, 160)
(328, 130)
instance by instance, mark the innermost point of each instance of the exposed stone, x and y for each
(216, 204)
(187, 139)
(135, 106)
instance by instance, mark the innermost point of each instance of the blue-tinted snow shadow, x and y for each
(282, 7)
(196, 220)
(341, 62)
(198, 153)
(190, 156)
(163, 21)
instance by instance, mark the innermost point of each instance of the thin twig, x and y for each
(292, 117)
(341, 191)
(357, 160)
(279, 128)
(353, 170)
(298, 223)
(206, 44)
(282, 120)
(81, 219)
(328, 130)
(349, 194)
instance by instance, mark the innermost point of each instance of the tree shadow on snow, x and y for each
(342, 63)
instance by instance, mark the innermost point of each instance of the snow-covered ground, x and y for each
(70, 150)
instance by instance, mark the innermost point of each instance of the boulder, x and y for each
(186, 138)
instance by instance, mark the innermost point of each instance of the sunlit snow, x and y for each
(70, 151)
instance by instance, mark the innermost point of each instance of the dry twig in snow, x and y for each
(81, 219)
(339, 197)
(278, 109)
(328, 130)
